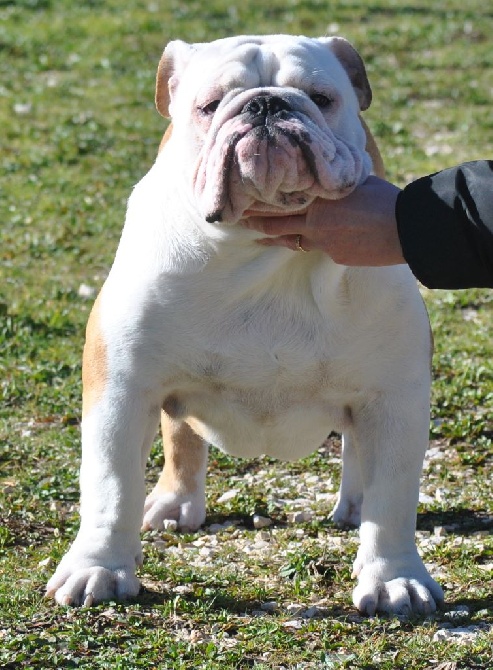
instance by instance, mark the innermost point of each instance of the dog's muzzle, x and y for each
(269, 154)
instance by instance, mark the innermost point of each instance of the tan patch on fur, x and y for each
(165, 138)
(373, 150)
(94, 361)
(184, 453)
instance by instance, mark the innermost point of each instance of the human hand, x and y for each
(359, 229)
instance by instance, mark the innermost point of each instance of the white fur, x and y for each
(269, 350)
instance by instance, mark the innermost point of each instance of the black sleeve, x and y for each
(445, 224)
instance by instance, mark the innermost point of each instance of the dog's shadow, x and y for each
(456, 520)
(153, 596)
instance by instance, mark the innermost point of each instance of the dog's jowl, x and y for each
(258, 350)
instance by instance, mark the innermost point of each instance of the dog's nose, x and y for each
(265, 105)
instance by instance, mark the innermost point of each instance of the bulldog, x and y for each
(255, 349)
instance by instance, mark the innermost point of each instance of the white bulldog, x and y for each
(258, 350)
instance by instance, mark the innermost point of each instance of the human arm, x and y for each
(445, 226)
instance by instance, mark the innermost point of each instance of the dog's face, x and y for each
(265, 123)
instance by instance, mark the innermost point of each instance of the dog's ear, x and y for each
(173, 61)
(355, 68)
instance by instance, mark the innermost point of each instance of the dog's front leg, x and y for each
(180, 492)
(391, 438)
(120, 419)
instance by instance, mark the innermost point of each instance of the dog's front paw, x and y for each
(396, 587)
(187, 509)
(89, 586)
(87, 576)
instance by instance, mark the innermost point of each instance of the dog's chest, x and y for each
(255, 373)
(263, 360)
(249, 365)
(277, 338)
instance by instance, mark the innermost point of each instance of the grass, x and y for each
(78, 130)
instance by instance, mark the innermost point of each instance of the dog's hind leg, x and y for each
(180, 491)
(347, 511)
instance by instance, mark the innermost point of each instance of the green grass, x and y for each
(79, 128)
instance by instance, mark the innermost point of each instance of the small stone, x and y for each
(170, 525)
(294, 609)
(22, 108)
(440, 495)
(196, 636)
(469, 314)
(183, 589)
(322, 497)
(46, 562)
(439, 531)
(296, 624)
(462, 635)
(261, 544)
(216, 528)
(206, 552)
(228, 495)
(262, 536)
(86, 291)
(487, 567)
(299, 517)
(270, 606)
(460, 612)
(261, 521)
(310, 613)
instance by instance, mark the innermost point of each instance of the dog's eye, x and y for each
(210, 108)
(321, 100)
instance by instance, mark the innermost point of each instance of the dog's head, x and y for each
(266, 123)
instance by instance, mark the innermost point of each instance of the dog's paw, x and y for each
(90, 586)
(400, 589)
(347, 511)
(95, 571)
(188, 510)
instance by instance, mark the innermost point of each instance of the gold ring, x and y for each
(298, 246)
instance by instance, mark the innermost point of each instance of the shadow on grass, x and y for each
(456, 520)
(220, 600)
(473, 604)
